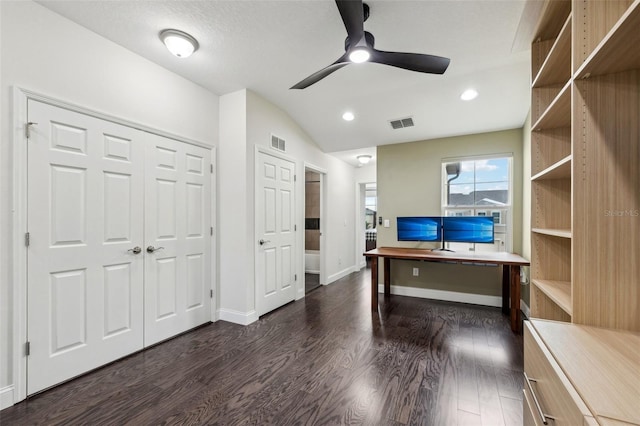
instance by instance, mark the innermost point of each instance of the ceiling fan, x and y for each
(358, 48)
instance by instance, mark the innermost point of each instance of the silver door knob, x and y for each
(135, 250)
(263, 242)
(151, 249)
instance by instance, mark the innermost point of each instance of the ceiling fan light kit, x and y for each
(359, 47)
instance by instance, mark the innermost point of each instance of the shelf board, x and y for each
(558, 114)
(559, 170)
(562, 233)
(618, 51)
(558, 291)
(557, 67)
(552, 17)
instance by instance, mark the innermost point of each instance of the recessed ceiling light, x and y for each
(348, 116)
(359, 55)
(363, 159)
(469, 94)
(179, 43)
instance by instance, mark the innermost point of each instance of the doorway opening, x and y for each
(312, 229)
(367, 228)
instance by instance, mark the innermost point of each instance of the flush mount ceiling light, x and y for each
(179, 43)
(348, 116)
(469, 94)
(363, 159)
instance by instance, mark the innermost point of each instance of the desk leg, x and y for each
(515, 298)
(505, 289)
(387, 277)
(374, 284)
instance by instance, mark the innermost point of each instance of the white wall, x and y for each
(246, 121)
(236, 269)
(263, 119)
(46, 53)
(366, 173)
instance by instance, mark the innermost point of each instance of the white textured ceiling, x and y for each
(267, 46)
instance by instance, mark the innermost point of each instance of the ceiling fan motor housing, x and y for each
(368, 38)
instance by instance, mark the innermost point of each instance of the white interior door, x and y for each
(275, 212)
(85, 214)
(177, 238)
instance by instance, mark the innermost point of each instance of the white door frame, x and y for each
(323, 228)
(359, 228)
(18, 273)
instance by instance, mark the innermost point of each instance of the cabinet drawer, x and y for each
(529, 415)
(555, 394)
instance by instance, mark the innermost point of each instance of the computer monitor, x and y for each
(419, 228)
(468, 229)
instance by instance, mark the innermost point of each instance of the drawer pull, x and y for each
(543, 416)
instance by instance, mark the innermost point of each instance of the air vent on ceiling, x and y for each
(401, 123)
(278, 143)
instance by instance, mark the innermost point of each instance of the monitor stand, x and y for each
(443, 249)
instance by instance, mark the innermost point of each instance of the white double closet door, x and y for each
(99, 195)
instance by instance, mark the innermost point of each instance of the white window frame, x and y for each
(508, 243)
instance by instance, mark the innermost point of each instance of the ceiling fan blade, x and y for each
(352, 14)
(319, 75)
(411, 61)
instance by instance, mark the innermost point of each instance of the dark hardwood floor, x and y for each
(311, 282)
(323, 360)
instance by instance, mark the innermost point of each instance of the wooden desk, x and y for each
(510, 263)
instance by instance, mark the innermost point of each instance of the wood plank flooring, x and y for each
(323, 360)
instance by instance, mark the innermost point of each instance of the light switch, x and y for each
(386, 223)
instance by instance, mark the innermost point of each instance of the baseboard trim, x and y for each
(450, 296)
(311, 271)
(340, 274)
(6, 397)
(237, 317)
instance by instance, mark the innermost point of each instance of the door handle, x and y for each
(135, 250)
(263, 242)
(151, 249)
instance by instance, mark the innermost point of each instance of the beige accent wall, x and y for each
(409, 183)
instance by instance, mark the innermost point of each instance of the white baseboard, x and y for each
(237, 317)
(450, 296)
(340, 274)
(311, 271)
(6, 397)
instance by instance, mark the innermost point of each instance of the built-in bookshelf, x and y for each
(585, 157)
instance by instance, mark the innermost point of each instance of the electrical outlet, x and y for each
(416, 272)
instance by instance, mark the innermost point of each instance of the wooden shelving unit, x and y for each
(559, 170)
(556, 69)
(561, 233)
(585, 142)
(558, 291)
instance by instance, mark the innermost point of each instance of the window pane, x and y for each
(466, 173)
(496, 169)
(491, 194)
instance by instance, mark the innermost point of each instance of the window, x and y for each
(480, 186)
